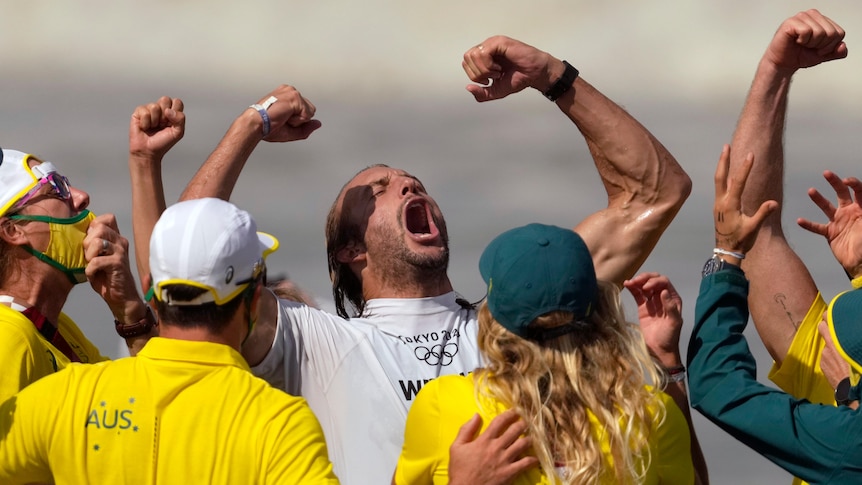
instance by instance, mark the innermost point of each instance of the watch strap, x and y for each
(563, 84)
(715, 264)
(845, 392)
(136, 329)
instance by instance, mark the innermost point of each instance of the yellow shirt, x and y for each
(446, 403)
(25, 355)
(800, 374)
(180, 412)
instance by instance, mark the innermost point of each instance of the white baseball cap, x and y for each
(210, 244)
(16, 178)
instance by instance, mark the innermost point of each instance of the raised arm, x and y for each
(660, 316)
(153, 130)
(290, 117)
(645, 185)
(782, 289)
(110, 275)
(797, 435)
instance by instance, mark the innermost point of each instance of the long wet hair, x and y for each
(557, 385)
(339, 234)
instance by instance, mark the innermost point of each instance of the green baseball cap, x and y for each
(536, 269)
(844, 317)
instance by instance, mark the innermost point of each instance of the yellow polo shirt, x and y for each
(446, 403)
(180, 412)
(25, 355)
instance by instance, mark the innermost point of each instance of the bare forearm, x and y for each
(676, 390)
(760, 131)
(646, 186)
(220, 172)
(781, 287)
(148, 203)
(630, 160)
(679, 394)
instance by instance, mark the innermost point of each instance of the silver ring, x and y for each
(104, 245)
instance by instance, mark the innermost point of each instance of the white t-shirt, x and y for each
(360, 375)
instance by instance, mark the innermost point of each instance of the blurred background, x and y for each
(386, 78)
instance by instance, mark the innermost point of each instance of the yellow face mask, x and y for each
(65, 249)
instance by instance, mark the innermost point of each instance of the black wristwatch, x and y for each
(563, 84)
(843, 393)
(714, 264)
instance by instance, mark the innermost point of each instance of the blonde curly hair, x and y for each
(577, 390)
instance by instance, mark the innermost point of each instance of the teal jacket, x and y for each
(817, 443)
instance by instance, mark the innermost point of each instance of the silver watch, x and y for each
(714, 264)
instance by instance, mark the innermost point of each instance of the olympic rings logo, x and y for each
(438, 354)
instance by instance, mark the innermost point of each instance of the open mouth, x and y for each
(418, 221)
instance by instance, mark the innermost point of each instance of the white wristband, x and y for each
(678, 377)
(262, 109)
(675, 373)
(724, 252)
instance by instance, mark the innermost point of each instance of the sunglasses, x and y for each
(59, 185)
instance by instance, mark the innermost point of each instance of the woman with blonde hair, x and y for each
(557, 350)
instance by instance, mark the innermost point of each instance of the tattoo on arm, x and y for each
(780, 298)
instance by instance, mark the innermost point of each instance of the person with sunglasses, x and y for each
(186, 409)
(398, 322)
(50, 242)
